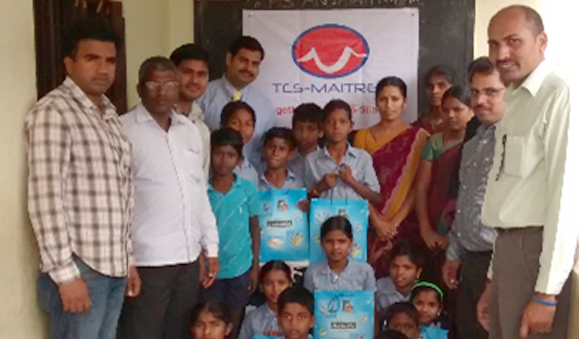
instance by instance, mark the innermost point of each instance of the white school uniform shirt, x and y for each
(172, 219)
(531, 164)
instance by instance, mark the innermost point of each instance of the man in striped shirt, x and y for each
(80, 195)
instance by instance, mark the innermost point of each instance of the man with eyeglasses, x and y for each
(526, 202)
(470, 241)
(172, 222)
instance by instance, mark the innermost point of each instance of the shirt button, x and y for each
(457, 211)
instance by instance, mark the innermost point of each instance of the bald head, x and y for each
(532, 17)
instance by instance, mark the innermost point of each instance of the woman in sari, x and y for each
(395, 147)
(436, 181)
(438, 80)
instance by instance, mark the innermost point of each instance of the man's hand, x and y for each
(75, 297)
(538, 318)
(345, 173)
(450, 273)
(253, 279)
(482, 308)
(304, 205)
(210, 272)
(133, 283)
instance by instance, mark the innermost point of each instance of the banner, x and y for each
(284, 227)
(319, 55)
(356, 211)
(344, 314)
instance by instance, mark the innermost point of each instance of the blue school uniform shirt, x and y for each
(292, 182)
(320, 162)
(232, 211)
(432, 333)
(387, 294)
(357, 276)
(219, 93)
(257, 322)
(247, 171)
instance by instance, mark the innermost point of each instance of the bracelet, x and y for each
(543, 302)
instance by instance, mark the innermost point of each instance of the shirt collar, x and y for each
(482, 129)
(143, 115)
(290, 177)
(236, 183)
(229, 89)
(534, 81)
(349, 151)
(328, 271)
(77, 93)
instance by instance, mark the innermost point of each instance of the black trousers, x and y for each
(473, 277)
(163, 309)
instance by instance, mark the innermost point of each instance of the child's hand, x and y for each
(345, 173)
(432, 239)
(253, 279)
(329, 181)
(304, 205)
(386, 230)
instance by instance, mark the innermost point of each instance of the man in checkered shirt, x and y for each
(80, 195)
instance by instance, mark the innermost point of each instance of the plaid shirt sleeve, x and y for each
(48, 162)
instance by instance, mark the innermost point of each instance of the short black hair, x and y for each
(156, 63)
(391, 334)
(405, 248)
(247, 42)
(232, 107)
(335, 104)
(447, 73)
(275, 265)
(425, 286)
(458, 92)
(336, 223)
(391, 81)
(296, 294)
(402, 307)
(227, 137)
(482, 65)
(308, 112)
(189, 52)
(91, 27)
(282, 133)
(218, 309)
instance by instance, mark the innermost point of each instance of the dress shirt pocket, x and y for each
(193, 164)
(519, 155)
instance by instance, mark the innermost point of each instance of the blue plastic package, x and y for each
(356, 211)
(344, 314)
(284, 227)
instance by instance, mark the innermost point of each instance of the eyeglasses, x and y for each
(155, 86)
(502, 157)
(489, 92)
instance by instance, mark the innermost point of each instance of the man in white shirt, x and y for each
(193, 65)
(172, 222)
(526, 203)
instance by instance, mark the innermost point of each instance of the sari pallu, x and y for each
(395, 163)
(442, 196)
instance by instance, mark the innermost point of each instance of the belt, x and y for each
(501, 230)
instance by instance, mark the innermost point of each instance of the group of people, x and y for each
(148, 222)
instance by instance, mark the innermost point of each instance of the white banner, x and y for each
(319, 55)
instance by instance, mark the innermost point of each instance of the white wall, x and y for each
(153, 27)
(20, 317)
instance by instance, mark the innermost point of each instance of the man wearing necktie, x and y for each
(243, 60)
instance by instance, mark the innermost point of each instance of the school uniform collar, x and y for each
(290, 177)
(350, 151)
(236, 184)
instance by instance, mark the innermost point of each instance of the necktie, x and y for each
(236, 96)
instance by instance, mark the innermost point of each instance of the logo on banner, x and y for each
(330, 51)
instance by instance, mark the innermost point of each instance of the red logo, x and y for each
(330, 51)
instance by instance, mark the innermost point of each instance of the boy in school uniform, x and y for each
(236, 207)
(338, 170)
(307, 132)
(296, 313)
(278, 148)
